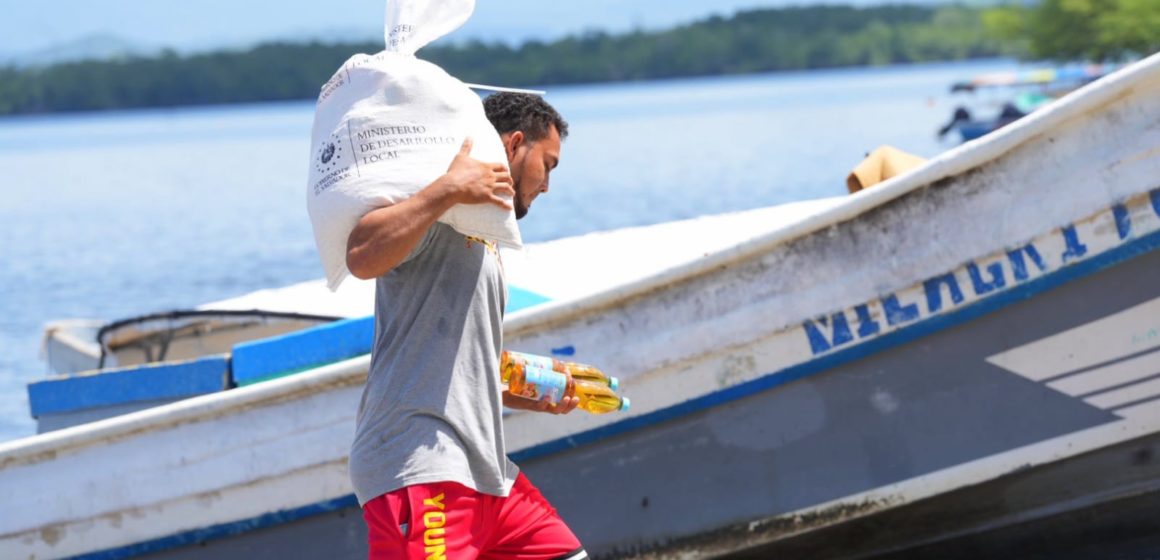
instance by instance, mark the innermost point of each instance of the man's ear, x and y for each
(512, 141)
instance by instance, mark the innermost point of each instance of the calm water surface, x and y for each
(114, 214)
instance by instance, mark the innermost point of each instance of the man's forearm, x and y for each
(385, 236)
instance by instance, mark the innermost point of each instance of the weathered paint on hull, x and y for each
(908, 411)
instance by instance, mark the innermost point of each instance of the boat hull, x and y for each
(742, 477)
(920, 406)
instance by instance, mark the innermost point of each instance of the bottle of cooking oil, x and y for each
(599, 398)
(513, 361)
(531, 381)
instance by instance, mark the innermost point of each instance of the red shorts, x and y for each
(446, 520)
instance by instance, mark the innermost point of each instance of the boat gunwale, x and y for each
(182, 314)
(47, 446)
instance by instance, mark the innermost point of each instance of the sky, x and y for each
(186, 26)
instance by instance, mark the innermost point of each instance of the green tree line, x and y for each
(1098, 30)
(749, 41)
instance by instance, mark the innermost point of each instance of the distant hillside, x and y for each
(92, 47)
(750, 41)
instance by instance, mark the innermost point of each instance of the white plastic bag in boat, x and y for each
(387, 125)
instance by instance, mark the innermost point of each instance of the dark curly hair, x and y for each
(526, 112)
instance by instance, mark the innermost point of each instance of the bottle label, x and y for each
(543, 384)
(542, 362)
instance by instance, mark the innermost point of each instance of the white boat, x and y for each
(74, 345)
(109, 369)
(958, 361)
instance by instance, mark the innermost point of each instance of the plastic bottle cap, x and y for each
(624, 404)
(613, 383)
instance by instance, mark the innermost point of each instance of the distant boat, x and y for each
(76, 345)
(1069, 76)
(970, 127)
(1035, 89)
(959, 362)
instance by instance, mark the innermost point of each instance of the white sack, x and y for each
(387, 125)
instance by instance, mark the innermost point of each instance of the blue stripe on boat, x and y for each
(264, 359)
(249, 363)
(222, 530)
(519, 298)
(128, 385)
(260, 360)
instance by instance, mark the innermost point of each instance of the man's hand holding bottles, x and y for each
(549, 385)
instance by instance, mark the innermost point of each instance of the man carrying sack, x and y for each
(429, 448)
(414, 182)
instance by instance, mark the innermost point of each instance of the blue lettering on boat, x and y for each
(1019, 266)
(896, 313)
(564, 351)
(982, 286)
(1123, 221)
(1074, 248)
(867, 326)
(824, 333)
(839, 332)
(933, 289)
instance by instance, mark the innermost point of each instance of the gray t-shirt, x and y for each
(432, 407)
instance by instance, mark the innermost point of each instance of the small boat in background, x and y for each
(1034, 88)
(1052, 79)
(75, 345)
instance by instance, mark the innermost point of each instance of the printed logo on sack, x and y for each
(329, 155)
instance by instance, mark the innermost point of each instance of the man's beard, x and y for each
(518, 202)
